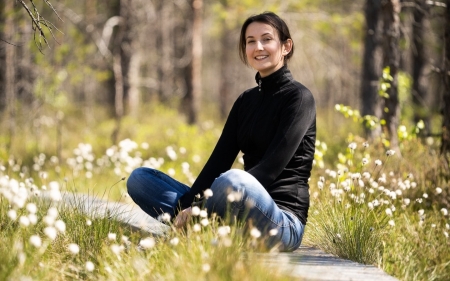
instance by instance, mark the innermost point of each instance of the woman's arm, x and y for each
(221, 159)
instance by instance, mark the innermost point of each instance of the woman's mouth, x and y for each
(260, 57)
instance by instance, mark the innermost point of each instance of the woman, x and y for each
(274, 125)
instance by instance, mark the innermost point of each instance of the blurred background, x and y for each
(93, 71)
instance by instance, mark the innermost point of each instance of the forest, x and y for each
(90, 90)
(123, 54)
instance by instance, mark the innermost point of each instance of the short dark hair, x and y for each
(271, 19)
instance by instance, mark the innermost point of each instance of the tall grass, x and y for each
(376, 207)
(46, 243)
(386, 210)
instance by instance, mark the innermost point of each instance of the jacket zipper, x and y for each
(259, 84)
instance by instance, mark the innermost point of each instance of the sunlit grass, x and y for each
(366, 206)
(61, 243)
(374, 207)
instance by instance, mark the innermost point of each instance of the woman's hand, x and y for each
(182, 218)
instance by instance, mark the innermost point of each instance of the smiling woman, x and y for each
(274, 126)
(264, 49)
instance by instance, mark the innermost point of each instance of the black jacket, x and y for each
(274, 125)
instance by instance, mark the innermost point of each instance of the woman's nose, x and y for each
(259, 45)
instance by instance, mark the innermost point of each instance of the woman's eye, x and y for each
(251, 41)
(267, 39)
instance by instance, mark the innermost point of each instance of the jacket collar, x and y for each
(274, 81)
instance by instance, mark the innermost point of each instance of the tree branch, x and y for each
(38, 23)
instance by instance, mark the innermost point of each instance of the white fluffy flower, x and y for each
(174, 241)
(112, 236)
(223, 230)
(73, 248)
(195, 211)
(147, 243)
(206, 267)
(320, 185)
(196, 227)
(52, 212)
(165, 217)
(12, 214)
(24, 221)
(208, 193)
(389, 212)
(60, 226)
(390, 152)
(36, 241)
(273, 232)
(255, 233)
(31, 207)
(204, 222)
(171, 153)
(203, 213)
(33, 218)
(48, 220)
(51, 232)
(53, 185)
(90, 266)
(117, 249)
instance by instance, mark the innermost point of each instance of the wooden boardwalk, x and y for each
(306, 263)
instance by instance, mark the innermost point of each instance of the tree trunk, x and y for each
(225, 70)
(133, 83)
(165, 50)
(118, 68)
(391, 58)
(370, 70)
(445, 146)
(10, 74)
(419, 92)
(193, 101)
(2, 58)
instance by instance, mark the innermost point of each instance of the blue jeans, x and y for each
(237, 195)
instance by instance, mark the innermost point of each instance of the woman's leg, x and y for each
(238, 194)
(155, 192)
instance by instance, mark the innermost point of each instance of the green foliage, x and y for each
(409, 241)
(348, 231)
(385, 82)
(43, 242)
(373, 207)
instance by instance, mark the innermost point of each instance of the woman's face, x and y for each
(263, 48)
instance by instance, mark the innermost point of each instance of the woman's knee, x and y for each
(233, 179)
(233, 184)
(137, 178)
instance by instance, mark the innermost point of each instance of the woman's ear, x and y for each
(287, 47)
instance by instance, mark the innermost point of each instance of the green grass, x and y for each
(348, 215)
(116, 252)
(392, 215)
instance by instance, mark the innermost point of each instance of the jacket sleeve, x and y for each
(221, 159)
(297, 115)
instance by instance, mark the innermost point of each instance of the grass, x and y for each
(105, 249)
(375, 207)
(389, 211)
